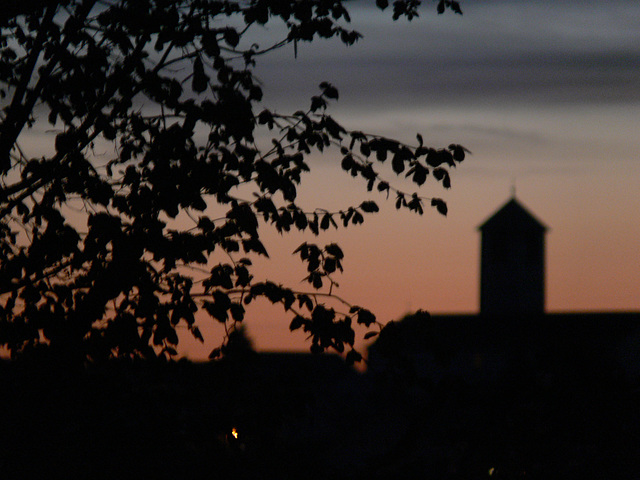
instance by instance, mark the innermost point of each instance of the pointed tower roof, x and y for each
(513, 216)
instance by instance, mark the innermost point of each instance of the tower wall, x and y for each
(512, 271)
(512, 274)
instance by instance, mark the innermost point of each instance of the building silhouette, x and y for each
(513, 332)
(534, 394)
(512, 269)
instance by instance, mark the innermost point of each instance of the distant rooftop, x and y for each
(512, 215)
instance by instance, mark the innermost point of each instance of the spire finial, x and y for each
(513, 187)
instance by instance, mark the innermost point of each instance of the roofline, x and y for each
(513, 199)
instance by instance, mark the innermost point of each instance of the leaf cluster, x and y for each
(95, 258)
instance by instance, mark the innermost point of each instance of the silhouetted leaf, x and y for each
(415, 204)
(296, 323)
(440, 205)
(435, 158)
(458, 152)
(397, 163)
(313, 224)
(316, 280)
(334, 250)
(442, 175)
(266, 118)
(300, 219)
(196, 333)
(329, 265)
(383, 186)
(318, 103)
(419, 174)
(365, 317)
(254, 245)
(220, 277)
(369, 207)
(200, 81)
(326, 221)
(347, 163)
(455, 6)
(237, 312)
(329, 90)
(231, 37)
(305, 300)
(210, 43)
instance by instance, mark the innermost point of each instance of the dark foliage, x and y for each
(100, 257)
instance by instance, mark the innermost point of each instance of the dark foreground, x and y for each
(304, 417)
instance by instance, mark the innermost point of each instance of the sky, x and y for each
(545, 93)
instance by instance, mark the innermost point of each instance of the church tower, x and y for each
(512, 263)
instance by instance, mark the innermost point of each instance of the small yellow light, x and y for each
(234, 432)
(491, 470)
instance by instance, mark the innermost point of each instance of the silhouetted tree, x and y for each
(239, 344)
(97, 255)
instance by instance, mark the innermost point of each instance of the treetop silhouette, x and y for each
(93, 264)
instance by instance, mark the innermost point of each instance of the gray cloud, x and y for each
(531, 53)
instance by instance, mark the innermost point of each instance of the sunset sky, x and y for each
(545, 93)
